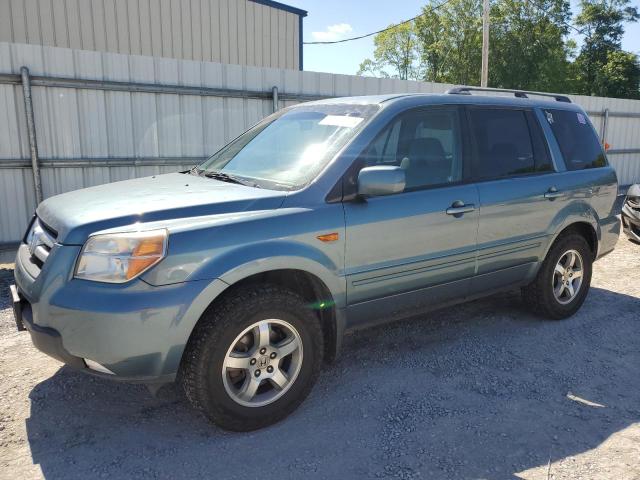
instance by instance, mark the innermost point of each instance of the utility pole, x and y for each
(485, 44)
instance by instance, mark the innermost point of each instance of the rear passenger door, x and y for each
(517, 185)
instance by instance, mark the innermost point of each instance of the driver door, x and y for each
(408, 251)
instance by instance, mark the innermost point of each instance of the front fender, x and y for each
(247, 260)
(225, 270)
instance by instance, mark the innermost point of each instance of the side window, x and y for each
(383, 149)
(504, 144)
(578, 142)
(541, 154)
(426, 143)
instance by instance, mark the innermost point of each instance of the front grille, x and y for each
(40, 240)
(634, 202)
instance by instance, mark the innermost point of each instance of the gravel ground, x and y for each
(482, 390)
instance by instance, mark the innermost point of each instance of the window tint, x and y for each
(578, 142)
(542, 157)
(504, 146)
(425, 143)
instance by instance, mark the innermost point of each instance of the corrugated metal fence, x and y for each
(103, 117)
(241, 32)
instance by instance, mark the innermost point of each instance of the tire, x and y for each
(539, 295)
(222, 333)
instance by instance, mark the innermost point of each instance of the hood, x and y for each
(76, 215)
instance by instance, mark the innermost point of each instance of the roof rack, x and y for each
(517, 93)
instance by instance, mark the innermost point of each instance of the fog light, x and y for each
(97, 367)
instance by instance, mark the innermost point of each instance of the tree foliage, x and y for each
(530, 47)
(601, 60)
(451, 42)
(620, 76)
(530, 35)
(397, 49)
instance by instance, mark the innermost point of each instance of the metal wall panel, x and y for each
(231, 31)
(17, 200)
(87, 137)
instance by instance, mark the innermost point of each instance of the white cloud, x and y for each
(333, 33)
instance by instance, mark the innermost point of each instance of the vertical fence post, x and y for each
(605, 121)
(31, 130)
(274, 92)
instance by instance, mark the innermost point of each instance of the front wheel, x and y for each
(563, 280)
(253, 358)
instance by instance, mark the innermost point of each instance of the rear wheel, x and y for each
(253, 358)
(563, 280)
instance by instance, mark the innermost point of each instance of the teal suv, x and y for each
(240, 277)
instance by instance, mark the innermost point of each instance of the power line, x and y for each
(432, 9)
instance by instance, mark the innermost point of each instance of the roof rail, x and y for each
(517, 93)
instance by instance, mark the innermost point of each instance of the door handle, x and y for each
(552, 193)
(458, 208)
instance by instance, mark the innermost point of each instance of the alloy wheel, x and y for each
(262, 363)
(567, 277)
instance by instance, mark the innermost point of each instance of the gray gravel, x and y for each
(482, 390)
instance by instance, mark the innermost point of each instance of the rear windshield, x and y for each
(577, 140)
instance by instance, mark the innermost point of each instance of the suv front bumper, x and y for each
(45, 339)
(135, 332)
(49, 341)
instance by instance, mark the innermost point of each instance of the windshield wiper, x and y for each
(225, 177)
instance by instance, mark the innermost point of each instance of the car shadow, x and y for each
(480, 390)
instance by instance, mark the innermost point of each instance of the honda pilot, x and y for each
(240, 277)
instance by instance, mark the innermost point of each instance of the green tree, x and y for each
(450, 42)
(529, 47)
(395, 49)
(530, 35)
(602, 23)
(621, 75)
(448, 45)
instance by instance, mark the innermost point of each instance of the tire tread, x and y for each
(222, 315)
(539, 297)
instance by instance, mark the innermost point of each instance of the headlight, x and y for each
(119, 257)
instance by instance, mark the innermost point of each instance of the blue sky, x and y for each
(335, 19)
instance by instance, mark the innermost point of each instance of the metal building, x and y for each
(260, 33)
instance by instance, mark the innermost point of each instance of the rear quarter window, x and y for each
(577, 140)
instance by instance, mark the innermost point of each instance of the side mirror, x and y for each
(381, 180)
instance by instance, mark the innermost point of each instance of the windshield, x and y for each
(288, 150)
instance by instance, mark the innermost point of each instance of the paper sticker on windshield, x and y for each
(581, 119)
(341, 121)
